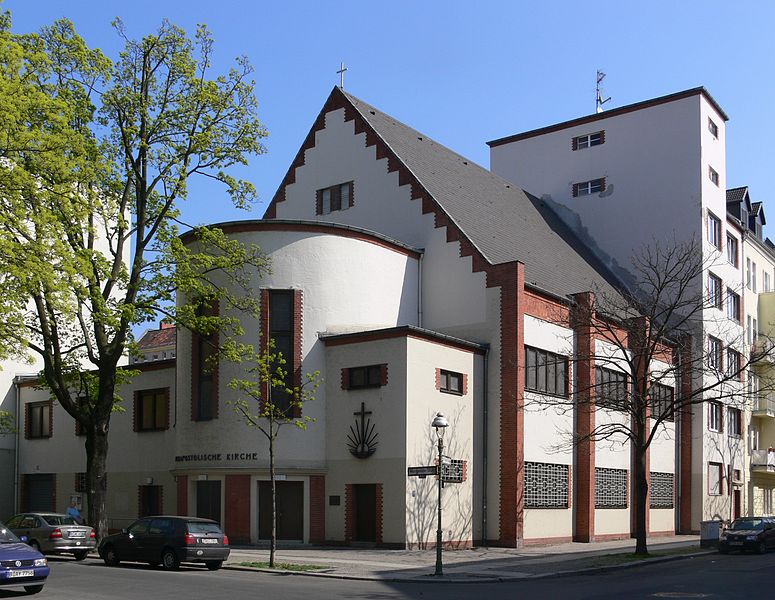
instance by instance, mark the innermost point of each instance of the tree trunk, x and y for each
(641, 499)
(96, 480)
(273, 539)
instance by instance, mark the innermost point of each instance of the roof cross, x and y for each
(341, 71)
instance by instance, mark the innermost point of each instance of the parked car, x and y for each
(20, 565)
(53, 533)
(756, 534)
(169, 541)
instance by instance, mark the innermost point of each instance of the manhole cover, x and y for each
(680, 595)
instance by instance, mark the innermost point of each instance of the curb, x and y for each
(425, 579)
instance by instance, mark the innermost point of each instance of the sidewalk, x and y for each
(476, 565)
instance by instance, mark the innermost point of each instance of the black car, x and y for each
(169, 541)
(755, 534)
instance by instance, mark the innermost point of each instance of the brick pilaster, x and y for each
(237, 517)
(584, 515)
(349, 513)
(379, 497)
(182, 495)
(685, 440)
(317, 509)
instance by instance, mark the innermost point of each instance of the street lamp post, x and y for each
(440, 424)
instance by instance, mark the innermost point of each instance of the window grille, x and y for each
(546, 485)
(661, 490)
(611, 488)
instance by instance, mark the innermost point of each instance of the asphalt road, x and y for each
(713, 576)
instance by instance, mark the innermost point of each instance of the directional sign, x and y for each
(422, 471)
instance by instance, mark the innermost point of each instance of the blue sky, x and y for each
(465, 72)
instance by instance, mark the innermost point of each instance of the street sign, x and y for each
(422, 471)
(455, 471)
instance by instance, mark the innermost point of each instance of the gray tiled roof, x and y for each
(736, 194)
(503, 221)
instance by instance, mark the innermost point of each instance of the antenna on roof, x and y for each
(599, 101)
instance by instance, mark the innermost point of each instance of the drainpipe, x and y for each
(419, 290)
(485, 370)
(16, 500)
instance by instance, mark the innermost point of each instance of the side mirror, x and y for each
(125, 531)
(24, 538)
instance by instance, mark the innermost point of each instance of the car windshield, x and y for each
(59, 520)
(195, 527)
(740, 524)
(7, 536)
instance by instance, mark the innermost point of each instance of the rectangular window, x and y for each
(734, 363)
(546, 372)
(80, 483)
(547, 485)
(586, 141)
(748, 273)
(365, 377)
(39, 420)
(149, 503)
(754, 331)
(151, 410)
(715, 476)
(586, 188)
(715, 359)
(451, 382)
(714, 230)
(733, 305)
(753, 277)
(732, 250)
(713, 128)
(748, 330)
(714, 291)
(713, 175)
(205, 369)
(766, 281)
(715, 417)
(611, 388)
(611, 488)
(334, 198)
(734, 422)
(662, 402)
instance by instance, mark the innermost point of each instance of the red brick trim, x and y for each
(317, 509)
(383, 374)
(403, 331)
(614, 112)
(380, 502)
(685, 433)
(263, 326)
(237, 509)
(584, 514)
(345, 378)
(182, 495)
(548, 541)
(609, 537)
(349, 513)
(140, 490)
(438, 379)
(667, 533)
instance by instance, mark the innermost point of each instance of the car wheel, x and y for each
(80, 554)
(110, 557)
(33, 589)
(762, 548)
(35, 546)
(213, 565)
(169, 560)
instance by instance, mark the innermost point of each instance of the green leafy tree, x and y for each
(267, 401)
(95, 159)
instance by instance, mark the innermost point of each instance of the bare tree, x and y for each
(653, 350)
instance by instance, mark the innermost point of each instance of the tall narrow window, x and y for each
(713, 128)
(748, 273)
(714, 230)
(204, 396)
(714, 291)
(753, 277)
(151, 410)
(715, 416)
(611, 388)
(715, 359)
(662, 402)
(38, 420)
(733, 305)
(734, 363)
(281, 310)
(715, 475)
(732, 250)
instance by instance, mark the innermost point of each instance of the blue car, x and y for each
(20, 565)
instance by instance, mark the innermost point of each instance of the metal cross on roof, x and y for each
(341, 71)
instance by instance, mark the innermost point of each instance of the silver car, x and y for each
(53, 533)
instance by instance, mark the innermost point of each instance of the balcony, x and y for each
(763, 461)
(764, 406)
(763, 350)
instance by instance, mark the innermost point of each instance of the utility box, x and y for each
(710, 532)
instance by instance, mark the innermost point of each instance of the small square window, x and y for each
(713, 175)
(713, 128)
(451, 382)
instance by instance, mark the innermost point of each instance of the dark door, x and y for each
(736, 503)
(290, 510)
(365, 501)
(41, 492)
(208, 500)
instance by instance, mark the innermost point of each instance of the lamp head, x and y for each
(440, 423)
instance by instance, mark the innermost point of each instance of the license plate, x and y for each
(21, 574)
(735, 543)
(209, 541)
(77, 534)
